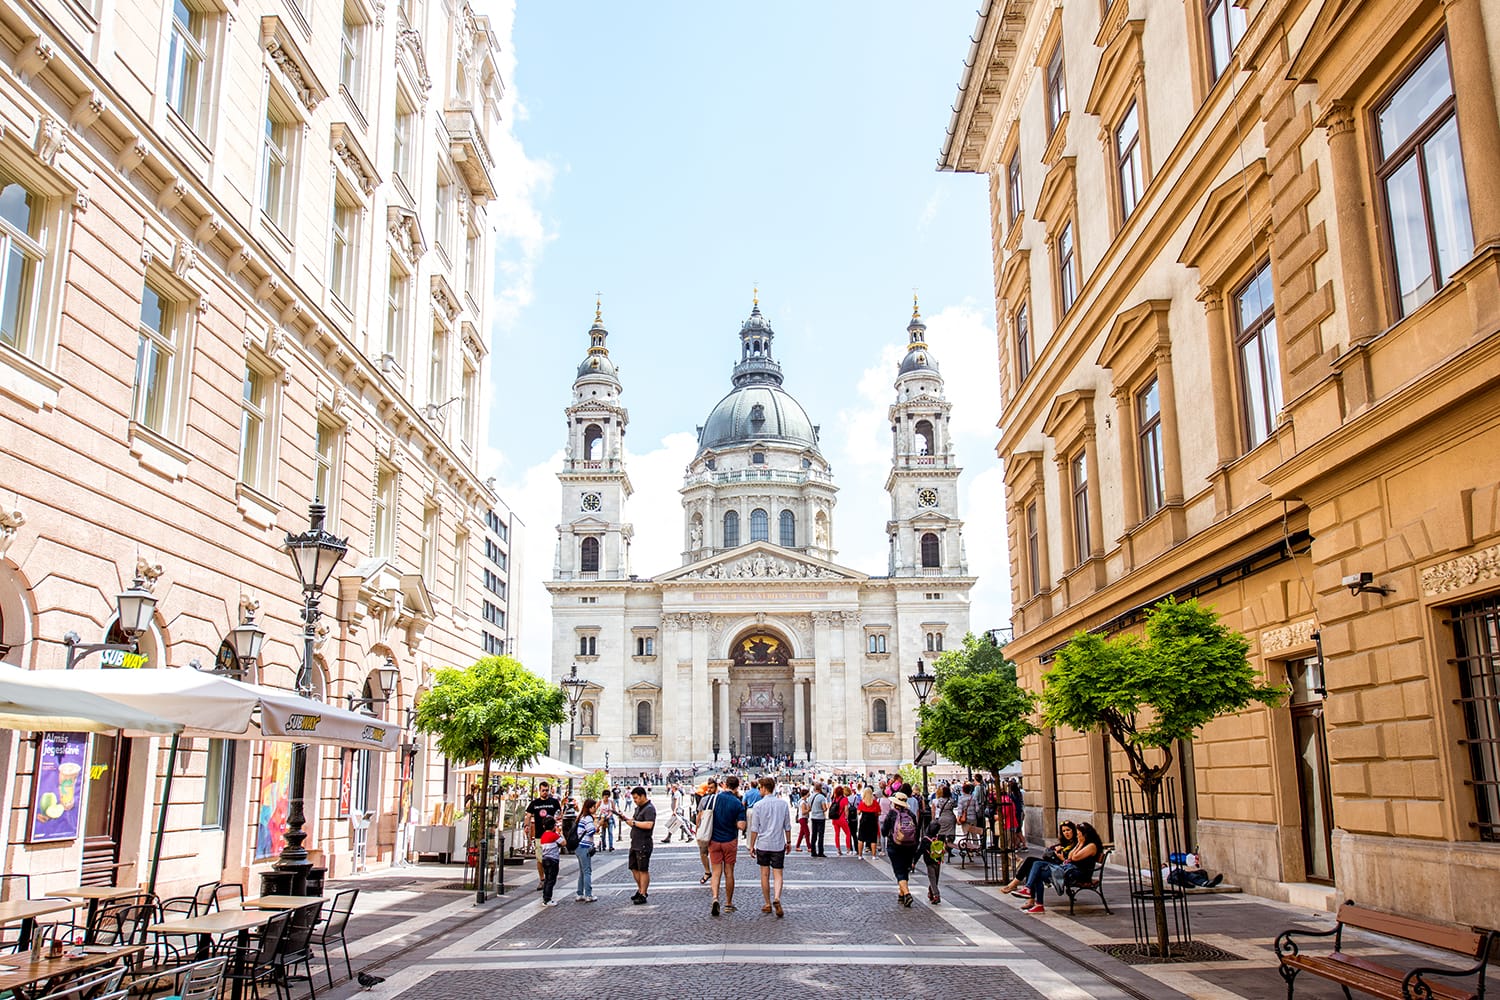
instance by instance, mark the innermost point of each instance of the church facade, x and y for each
(760, 642)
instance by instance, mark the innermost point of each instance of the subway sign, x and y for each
(122, 659)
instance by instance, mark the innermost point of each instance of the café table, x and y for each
(94, 895)
(27, 910)
(281, 902)
(209, 925)
(17, 972)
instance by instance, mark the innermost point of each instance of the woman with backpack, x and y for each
(583, 849)
(900, 831)
(838, 815)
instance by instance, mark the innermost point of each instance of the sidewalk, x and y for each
(1242, 926)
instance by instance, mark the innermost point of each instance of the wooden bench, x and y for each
(1382, 980)
(1094, 885)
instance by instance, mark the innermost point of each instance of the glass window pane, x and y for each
(151, 384)
(16, 297)
(18, 208)
(1419, 96)
(1449, 199)
(153, 310)
(1415, 282)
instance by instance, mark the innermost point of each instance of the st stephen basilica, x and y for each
(760, 642)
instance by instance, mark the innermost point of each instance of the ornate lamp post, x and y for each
(245, 639)
(133, 611)
(573, 686)
(315, 552)
(921, 682)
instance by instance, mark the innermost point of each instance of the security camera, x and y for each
(1361, 583)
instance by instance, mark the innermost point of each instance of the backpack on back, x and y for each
(836, 810)
(904, 829)
(570, 837)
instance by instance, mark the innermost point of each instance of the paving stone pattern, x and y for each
(732, 981)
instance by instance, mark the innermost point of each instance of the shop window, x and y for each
(1476, 636)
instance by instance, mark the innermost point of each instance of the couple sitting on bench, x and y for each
(1069, 862)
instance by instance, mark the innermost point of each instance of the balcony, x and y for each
(470, 152)
(758, 476)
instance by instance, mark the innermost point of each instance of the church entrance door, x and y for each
(762, 735)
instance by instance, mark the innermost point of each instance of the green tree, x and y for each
(977, 655)
(495, 711)
(1148, 692)
(595, 785)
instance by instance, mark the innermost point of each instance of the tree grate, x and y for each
(1182, 953)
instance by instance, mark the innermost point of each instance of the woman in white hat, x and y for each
(900, 831)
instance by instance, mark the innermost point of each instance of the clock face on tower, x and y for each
(591, 502)
(927, 497)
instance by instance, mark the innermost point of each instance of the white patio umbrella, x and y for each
(542, 766)
(31, 706)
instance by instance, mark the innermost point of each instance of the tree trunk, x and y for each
(1151, 789)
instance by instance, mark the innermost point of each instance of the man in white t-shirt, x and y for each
(770, 833)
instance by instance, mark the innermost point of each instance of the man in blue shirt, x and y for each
(723, 844)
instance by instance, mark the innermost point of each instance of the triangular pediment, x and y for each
(761, 562)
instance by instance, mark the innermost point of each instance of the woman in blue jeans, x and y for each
(585, 852)
(1078, 869)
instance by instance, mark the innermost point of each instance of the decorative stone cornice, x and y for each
(1288, 636)
(406, 233)
(354, 158)
(1464, 571)
(410, 39)
(284, 52)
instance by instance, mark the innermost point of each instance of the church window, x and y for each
(879, 720)
(931, 557)
(731, 529)
(643, 718)
(934, 642)
(760, 526)
(593, 443)
(588, 645)
(711, 464)
(788, 529)
(923, 432)
(588, 561)
(645, 645)
(758, 458)
(757, 414)
(877, 642)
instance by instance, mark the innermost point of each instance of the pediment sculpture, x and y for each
(761, 567)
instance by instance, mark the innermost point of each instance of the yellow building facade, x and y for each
(1247, 285)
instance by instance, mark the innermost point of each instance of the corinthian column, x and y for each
(1478, 124)
(1356, 262)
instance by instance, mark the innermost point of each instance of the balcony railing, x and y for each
(759, 476)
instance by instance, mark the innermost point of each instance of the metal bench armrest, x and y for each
(1286, 947)
(1415, 986)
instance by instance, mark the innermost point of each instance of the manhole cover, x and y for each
(1182, 952)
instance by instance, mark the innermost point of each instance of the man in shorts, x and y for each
(541, 816)
(770, 833)
(641, 823)
(723, 843)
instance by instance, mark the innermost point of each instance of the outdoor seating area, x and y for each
(125, 943)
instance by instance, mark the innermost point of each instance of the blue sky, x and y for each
(672, 156)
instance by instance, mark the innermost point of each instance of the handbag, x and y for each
(1050, 857)
(706, 820)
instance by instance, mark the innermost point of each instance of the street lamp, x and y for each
(315, 552)
(245, 639)
(133, 611)
(573, 686)
(921, 682)
(387, 676)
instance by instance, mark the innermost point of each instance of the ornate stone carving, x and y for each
(306, 92)
(208, 227)
(81, 201)
(761, 567)
(700, 620)
(148, 571)
(1461, 572)
(355, 166)
(86, 110)
(411, 40)
(10, 522)
(825, 618)
(33, 58)
(850, 617)
(1296, 634)
(132, 154)
(184, 258)
(406, 234)
(51, 140)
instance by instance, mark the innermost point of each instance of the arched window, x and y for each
(878, 720)
(643, 718)
(923, 432)
(876, 642)
(760, 525)
(788, 529)
(586, 718)
(931, 557)
(731, 529)
(588, 645)
(593, 442)
(934, 642)
(588, 560)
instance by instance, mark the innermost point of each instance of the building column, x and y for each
(1478, 124)
(724, 717)
(854, 695)
(822, 687)
(1361, 299)
(799, 715)
(1171, 444)
(666, 729)
(1096, 492)
(1221, 374)
(699, 728)
(1071, 557)
(1130, 476)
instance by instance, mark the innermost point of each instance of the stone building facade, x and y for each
(244, 266)
(1248, 287)
(759, 643)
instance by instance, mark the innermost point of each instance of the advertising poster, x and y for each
(275, 787)
(346, 781)
(57, 786)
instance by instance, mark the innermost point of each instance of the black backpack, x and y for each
(570, 837)
(837, 810)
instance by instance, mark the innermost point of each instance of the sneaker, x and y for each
(728, 907)
(1034, 908)
(906, 900)
(713, 911)
(577, 899)
(549, 902)
(588, 899)
(638, 899)
(776, 904)
(1022, 893)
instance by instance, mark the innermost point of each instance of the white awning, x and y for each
(32, 706)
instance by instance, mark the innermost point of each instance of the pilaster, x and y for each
(699, 728)
(825, 706)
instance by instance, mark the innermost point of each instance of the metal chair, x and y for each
(13, 887)
(257, 963)
(201, 980)
(228, 892)
(94, 986)
(335, 922)
(296, 949)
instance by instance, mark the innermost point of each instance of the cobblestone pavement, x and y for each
(843, 931)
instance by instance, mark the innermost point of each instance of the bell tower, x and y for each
(593, 541)
(926, 536)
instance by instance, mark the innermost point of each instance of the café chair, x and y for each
(335, 923)
(296, 949)
(93, 986)
(228, 896)
(256, 964)
(201, 980)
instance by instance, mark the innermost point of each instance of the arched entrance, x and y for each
(760, 689)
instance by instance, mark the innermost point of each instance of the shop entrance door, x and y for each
(1312, 769)
(104, 819)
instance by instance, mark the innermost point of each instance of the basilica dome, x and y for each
(757, 412)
